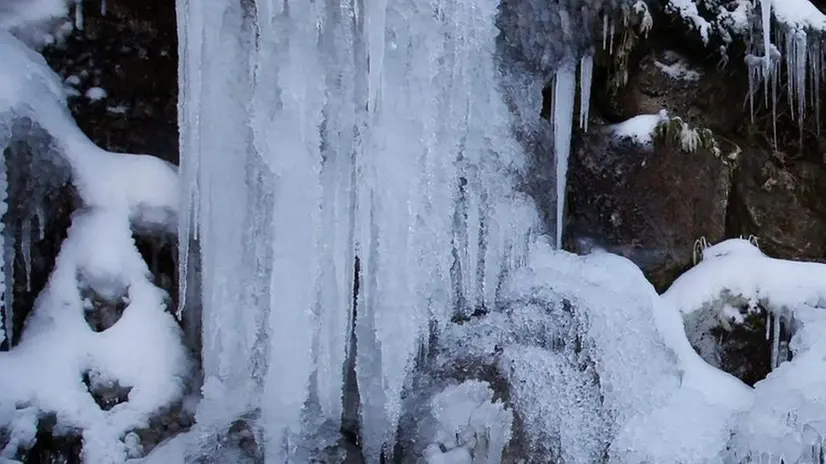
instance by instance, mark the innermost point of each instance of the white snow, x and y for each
(117, 109)
(143, 349)
(739, 269)
(678, 70)
(96, 93)
(639, 129)
(799, 15)
(688, 10)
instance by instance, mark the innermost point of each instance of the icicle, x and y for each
(774, 75)
(79, 14)
(323, 117)
(799, 75)
(375, 20)
(604, 31)
(775, 340)
(768, 325)
(765, 10)
(815, 64)
(563, 110)
(190, 87)
(753, 64)
(292, 142)
(103, 7)
(6, 314)
(586, 70)
(790, 55)
(40, 217)
(26, 249)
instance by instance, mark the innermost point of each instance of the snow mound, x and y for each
(62, 362)
(736, 268)
(784, 418)
(141, 351)
(595, 361)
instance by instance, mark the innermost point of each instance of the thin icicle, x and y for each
(586, 71)
(798, 73)
(40, 217)
(190, 88)
(604, 31)
(79, 14)
(26, 249)
(815, 64)
(775, 340)
(103, 7)
(6, 314)
(375, 19)
(765, 10)
(774, 75)
(563, 114)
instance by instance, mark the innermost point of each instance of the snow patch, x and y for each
(678, 69)
(639, 129)
(96, 93)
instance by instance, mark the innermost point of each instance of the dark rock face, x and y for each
(647, 205)
(130, 53)
(698, 92)
(781, 202)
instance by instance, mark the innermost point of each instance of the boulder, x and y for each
(647, 204)
(780, 201)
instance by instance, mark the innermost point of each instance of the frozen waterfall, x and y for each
(315, 134)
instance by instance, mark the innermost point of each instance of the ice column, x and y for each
(563, 116)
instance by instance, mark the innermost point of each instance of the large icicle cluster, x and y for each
(541, 48)
(98, 262)
(313, 134)
(801, 27)
(794, 46)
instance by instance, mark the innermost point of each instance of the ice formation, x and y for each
(468, 425)
(563, 115)
(98, 264)
(350, 192)
(385, 138)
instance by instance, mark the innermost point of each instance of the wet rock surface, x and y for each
(781, 201)
(649, 205)
(120, 74)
